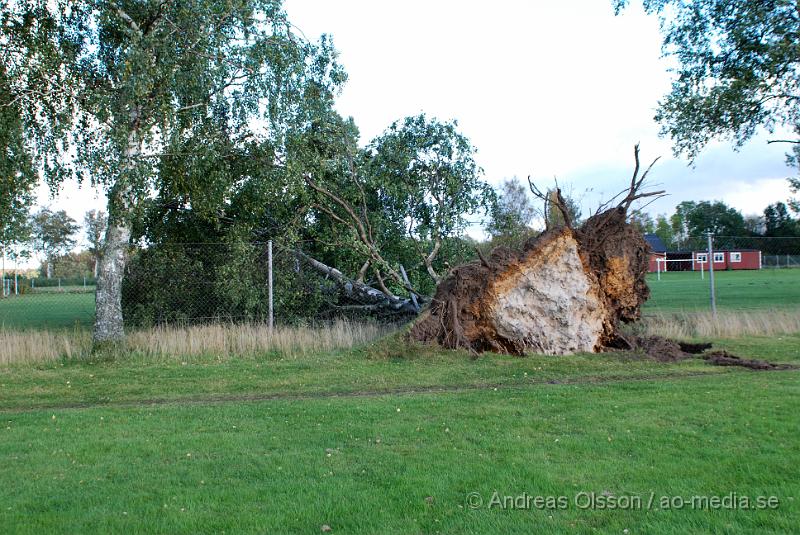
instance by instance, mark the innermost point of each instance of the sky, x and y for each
(547, 89)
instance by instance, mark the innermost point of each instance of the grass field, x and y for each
(396, 439)
(736, 290)
(47, 310)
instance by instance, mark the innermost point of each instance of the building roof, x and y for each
(655, 243)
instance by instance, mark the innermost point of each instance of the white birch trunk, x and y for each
(108, 323)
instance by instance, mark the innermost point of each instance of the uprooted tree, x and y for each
(567, 290)
(404, 198)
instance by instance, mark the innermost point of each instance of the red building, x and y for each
(657, 262)
(728, 259)
(662, 260)
(658, 253)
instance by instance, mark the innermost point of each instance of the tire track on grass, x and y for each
(399, 391)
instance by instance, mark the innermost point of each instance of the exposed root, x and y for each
(566, 291)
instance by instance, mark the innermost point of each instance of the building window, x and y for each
(736, 257)
(702, 258)
(719, 257)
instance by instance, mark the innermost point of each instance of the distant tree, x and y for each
(73, 265)
(553, 216)
(738, 70)
(513, 212)
(642, 221)
(53, 235)
(778, 222)
(715, 217)
(664, 231)
(754, 224)
(679, 221)
(95, 222)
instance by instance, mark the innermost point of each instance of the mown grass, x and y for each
(406, 464)
(118, 376)
(735, 290)
(391, 438)
(47, 310)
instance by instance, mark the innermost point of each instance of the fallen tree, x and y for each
(567, 290)
(366, 297)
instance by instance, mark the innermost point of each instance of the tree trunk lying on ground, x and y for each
(369, 298)
(566, 291)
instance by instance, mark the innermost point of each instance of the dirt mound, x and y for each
(723, 358)
(665, 350)
(565, 291)
(658, 348)
(694, 349)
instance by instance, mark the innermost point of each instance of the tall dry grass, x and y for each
(727, 324)
(216, 340)
(245, 340)
(42, 346)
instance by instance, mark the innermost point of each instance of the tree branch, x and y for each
(127, 18)
(372, 297)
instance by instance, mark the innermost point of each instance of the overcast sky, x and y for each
(545, 89)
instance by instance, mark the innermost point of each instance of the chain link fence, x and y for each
(217, 282)
(199, 283)
(182, 284)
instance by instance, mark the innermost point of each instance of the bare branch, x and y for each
(362, 273)
(437, 244)
(633, 192)
(553, 197)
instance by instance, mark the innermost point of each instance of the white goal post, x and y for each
(662, 265)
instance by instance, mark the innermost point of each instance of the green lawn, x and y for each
(388, 439)
(50, 309)
(736, 290)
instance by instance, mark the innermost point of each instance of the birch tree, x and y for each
(104, 86)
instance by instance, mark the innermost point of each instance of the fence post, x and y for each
(269, 270)
(711, 274)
